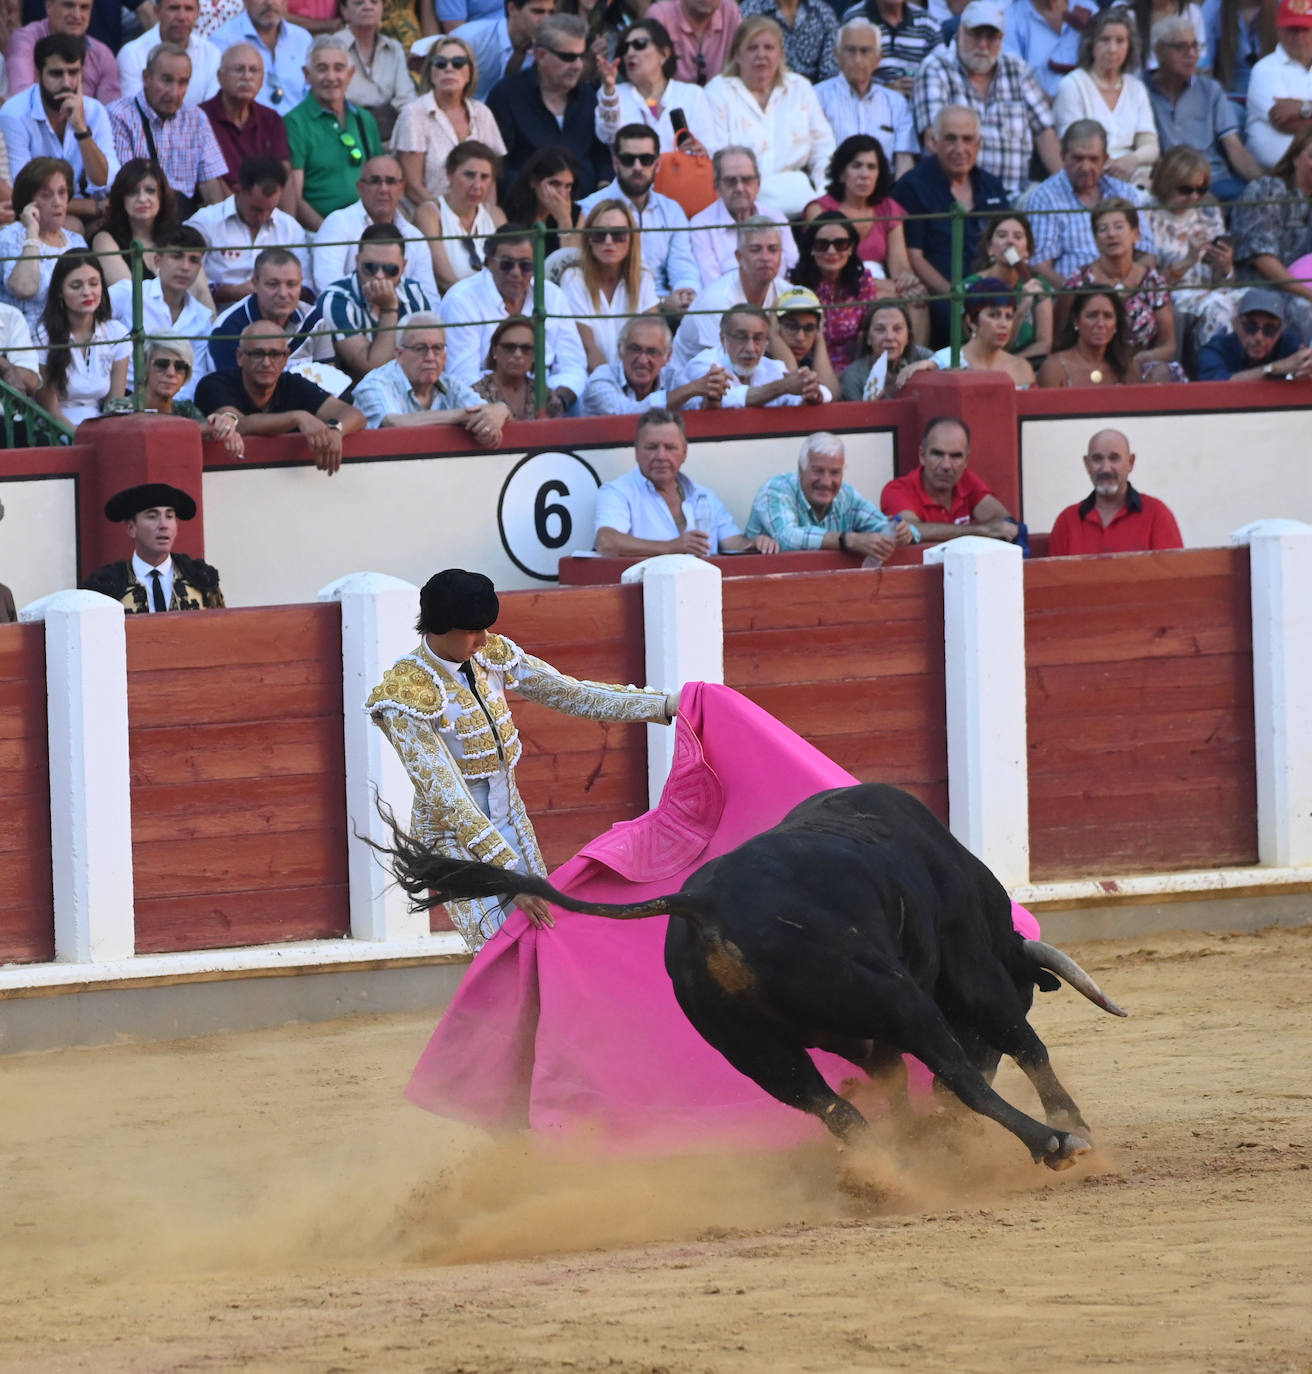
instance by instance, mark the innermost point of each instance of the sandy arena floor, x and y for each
(267, 1202)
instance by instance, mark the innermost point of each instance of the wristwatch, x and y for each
(86, 133)
(1269, 370)
(334, 424)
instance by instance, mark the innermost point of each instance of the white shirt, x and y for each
(632, 505)
(607, 319)
(89, 368)
(628, 107)
(477, 299)
(232, 254)
(1277, 76)
(193, 323)
(142, 570)
(790, 134)
(767, 370)
(699, 332)
(337, 245)
(881, 113)
(205, 58)
(1078, 97)
(715, 241)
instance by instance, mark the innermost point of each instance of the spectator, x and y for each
(701, 31)
(1006, 255)
(907, 35)
(141, 205)
(277, 280)
(549, 104)
(1113, 518)
(942, 499)
(654, 508)
(810, 31)
(380, 184)
(241, 227)
(755, 281)
(831, 267)
(367, 309)
(243, 127)
(445, 116)
(155, 579)
(1194, 111)
(606, 22)
(83, 353)
(463, 216)
(167, 304)
(649, 93)
(268, 400)
(1041, 33)
(157, 125)
(950, 177)
(1012, 108)
(503, 289)
(284, 50)
(990, 313)
(330, 138)
(798, 318)
(501, 45)
(609, 284)
(1103, 87)
(1259, 347)
(71, 18)
(856, 104)
(177, 25)
(1239, 34)
(314, 16)
(715, 229)
(1280, 89)
(411, 390)
(1064, 242)
(170, 369)
(1272, 225)
(54, 118)
(34, 242)
(888, 335)
(643, 379)
(543, 193)
(509, 378)
(18, 364)
(1093, 345)
(666, 253)
(452, 13)
(213, 15)
(754, 379)
(814, 508)
(756, 102)
(381, 83)
(1149, 12)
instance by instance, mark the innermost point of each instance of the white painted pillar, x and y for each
(378, 626)
(984, 658)
(1280, 553)
(683, 625)
(90, 783)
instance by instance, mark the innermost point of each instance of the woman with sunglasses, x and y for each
(457, 223)
(1005, 254)
(989, 310)
(610, 284)
(646, 91)
(829, 265)
(169, 363)
(606, 21)
(83, 352)
(1093, 347)
(445, 115)
(543, 193)
(887, 334)
(508, 378)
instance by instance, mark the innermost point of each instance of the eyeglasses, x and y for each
(1200, 190)
(791, 325)
(513, 348)
(426, 350)
(613, 235)
(570, 57)
(638, 351)
(733, 182)
(1267, 329)
(169, 365)
(508, 265)
(264, 355)
(390, 270)
(382, 181)
(833, 245)
(636, 44)
(353, 149)
(636, 159)
(440, 64)
(742, 336)
(1191, 45)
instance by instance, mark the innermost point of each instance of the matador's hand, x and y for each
(535, 908)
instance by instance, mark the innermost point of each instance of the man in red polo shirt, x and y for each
(941, 499)
(1113, 518)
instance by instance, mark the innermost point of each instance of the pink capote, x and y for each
(576, 1028)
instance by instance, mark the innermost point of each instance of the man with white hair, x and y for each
(855, 103)
(642, 378)
(737, 179)
(177, 24)
(907, 33)
(754, 379)
(814, 508)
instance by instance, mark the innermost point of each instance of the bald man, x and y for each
(1114, 517)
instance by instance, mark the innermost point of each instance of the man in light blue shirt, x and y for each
(284, 47)
(1050, 52)
(503, 44)
(855, 103)
(641, 378)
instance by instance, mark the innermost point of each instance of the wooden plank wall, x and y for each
(238, 776)
(27, 913)
(1140, 702)
(852, 661)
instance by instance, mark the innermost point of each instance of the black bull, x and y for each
(857, 925)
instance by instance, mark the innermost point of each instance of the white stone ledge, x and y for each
(1157, 887)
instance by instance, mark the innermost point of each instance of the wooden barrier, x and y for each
(27, 913)
(1140, 701)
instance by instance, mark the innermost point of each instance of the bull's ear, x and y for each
(1047, 982)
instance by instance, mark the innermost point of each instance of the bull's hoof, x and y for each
(1070, 1149)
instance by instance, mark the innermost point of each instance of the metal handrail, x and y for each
(43, 428)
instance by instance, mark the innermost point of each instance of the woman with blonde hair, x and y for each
(757, 103)
(170, 361)
(610, 284)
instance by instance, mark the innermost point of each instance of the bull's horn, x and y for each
(1046, 956)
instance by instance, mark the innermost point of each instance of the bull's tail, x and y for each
(433, 879)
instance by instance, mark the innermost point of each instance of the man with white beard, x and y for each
(1114, 517)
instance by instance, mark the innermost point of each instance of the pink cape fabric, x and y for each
(575, 1029)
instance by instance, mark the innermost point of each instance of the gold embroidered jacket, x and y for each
(195, 586)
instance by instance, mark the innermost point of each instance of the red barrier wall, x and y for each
(238, 776)
(27, 914)
(1140, 705)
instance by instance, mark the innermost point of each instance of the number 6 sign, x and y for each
(545, 511)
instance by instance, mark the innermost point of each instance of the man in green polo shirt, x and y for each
(330, 138)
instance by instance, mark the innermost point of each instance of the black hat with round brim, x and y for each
(124, 505)
(457, 600)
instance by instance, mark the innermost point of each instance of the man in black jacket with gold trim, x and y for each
(155, 578)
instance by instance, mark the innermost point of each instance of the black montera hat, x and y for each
(126, 504)
(457, 600)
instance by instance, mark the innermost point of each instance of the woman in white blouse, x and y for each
(461, 219)
(758, 103)
(31, 245)
(83, 353)
(610, 284)
(645, 57)
(1103, 88)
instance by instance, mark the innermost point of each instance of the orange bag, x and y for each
(688, 179)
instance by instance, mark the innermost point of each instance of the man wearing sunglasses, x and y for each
(502, 44)
(284, 49)
(550, 104)
(1261, 346)
(331, 139)
(367, 309)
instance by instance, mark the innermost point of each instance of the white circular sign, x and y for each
(545, 511)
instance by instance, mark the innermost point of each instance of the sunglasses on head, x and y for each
(636, 159)
(570, 57)
(388, 269)
(440, 64)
